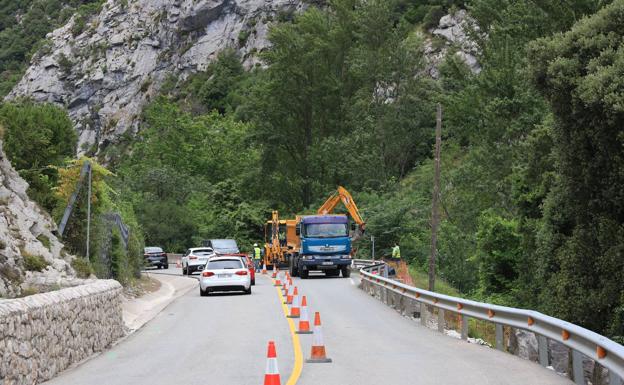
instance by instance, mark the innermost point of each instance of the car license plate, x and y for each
(224, 275)
(327, 263)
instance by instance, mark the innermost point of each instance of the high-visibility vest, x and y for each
(256, 252)
(396, 252)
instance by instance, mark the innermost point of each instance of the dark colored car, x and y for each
(222, 246)
(155, 256)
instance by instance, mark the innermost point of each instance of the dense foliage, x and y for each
(38, 138)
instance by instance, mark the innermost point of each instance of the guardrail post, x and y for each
(423, 314)
(464, 327)
(614, 379)
(542, 350)
(441, 320)
(577, 368)
(500, 345)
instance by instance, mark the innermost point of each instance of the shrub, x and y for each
(82, 267)
(34, 262)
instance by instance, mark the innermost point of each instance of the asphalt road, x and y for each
(221, 340)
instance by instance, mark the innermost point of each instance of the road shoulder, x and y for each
(138, 311)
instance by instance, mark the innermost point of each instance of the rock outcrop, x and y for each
(455, 35)
(26, 233)
(107, 73)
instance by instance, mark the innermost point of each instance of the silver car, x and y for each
(195, 259)
(224, 274)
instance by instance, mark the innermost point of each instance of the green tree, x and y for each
(579, 72)
(38, 138)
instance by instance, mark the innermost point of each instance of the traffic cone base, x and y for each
(304, 328)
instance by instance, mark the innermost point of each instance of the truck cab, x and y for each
(325, 246)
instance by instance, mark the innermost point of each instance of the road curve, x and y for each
(372, 344)
(221, 340)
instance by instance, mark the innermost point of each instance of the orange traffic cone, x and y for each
(274, 275)
(294, 308)
(285, 287)
(304, 321)
(278, 282)
(289, 296)
(264, 270)
(318, 354)
(271, 374)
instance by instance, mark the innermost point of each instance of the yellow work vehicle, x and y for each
(320, 242)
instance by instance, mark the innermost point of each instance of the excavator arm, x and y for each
(342, 195)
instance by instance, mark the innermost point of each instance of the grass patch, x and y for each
(82, 267)
(421, 280)
(34, 262)
(44, 241)
(28, 291)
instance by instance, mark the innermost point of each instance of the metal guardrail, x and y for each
(604, 351)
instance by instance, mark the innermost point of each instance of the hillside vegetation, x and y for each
(532, 153)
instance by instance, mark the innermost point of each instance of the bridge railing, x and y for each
(581, 341)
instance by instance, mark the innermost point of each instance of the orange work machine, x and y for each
(320, 242)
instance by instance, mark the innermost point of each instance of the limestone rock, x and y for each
(24, 228)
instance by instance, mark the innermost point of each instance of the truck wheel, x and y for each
(294, 272)
(304, 274)
(346, 272)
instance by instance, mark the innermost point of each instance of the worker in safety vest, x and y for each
(396, 251)
(257, 257)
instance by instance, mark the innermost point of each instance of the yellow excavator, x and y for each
(320, 242)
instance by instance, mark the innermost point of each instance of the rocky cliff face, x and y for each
(26, 231)
(107, 73)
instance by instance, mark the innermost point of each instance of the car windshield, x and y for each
(149, 250)
(225, 264)
(224, 244)
(326, 230)
(201, 251)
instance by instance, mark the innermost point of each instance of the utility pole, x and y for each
(435, 214)
(373, 247)
(89, 211)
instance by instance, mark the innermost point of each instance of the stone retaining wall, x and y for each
(43, 334)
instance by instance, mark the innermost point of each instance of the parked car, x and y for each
(225, 274)
(155, 256)
(195, 259)
(222, 246)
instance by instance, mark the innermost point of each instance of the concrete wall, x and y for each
(42, 334)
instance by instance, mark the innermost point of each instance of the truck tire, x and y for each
(294, 272)
(304, 274)
(346, 272)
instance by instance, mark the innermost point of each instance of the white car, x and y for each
(224, 274)
(195, 259)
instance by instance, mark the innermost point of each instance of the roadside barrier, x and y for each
(304, 320)
(271, 374)
(318, 354)
(582, 342)
(295, 312)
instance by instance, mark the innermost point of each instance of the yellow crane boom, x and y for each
(342, 195)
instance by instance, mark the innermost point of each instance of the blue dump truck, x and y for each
(324, 245)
